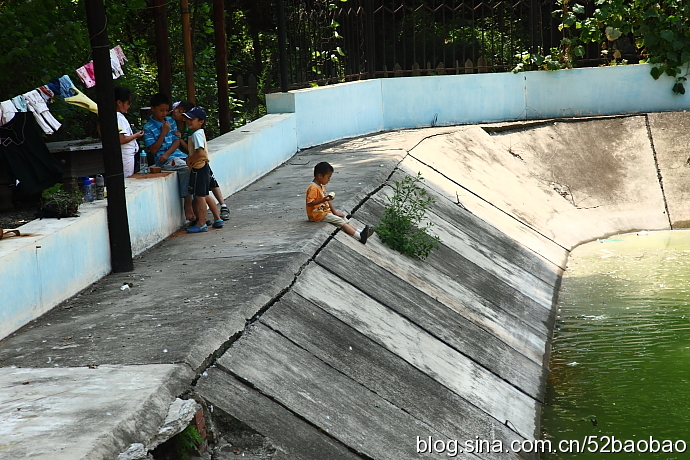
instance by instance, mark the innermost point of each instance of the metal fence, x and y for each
(342, 40)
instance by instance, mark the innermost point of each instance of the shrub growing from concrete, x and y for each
(401, 227)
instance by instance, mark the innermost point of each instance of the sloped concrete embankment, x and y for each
(375, 349)
(370, 350)
(331, 349)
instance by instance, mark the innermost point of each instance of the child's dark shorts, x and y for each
(214, 183)
(199, 180)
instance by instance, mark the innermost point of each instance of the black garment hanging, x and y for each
(25, 156)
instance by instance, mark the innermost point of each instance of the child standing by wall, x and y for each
(183, 132)
(200, 176)
(128, 139)
(320, 208)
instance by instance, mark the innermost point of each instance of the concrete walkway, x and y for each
(323, 347)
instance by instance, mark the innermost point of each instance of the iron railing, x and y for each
(342, 40)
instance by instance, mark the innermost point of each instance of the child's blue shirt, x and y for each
(152, 131)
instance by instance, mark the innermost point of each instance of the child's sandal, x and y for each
(5, 232)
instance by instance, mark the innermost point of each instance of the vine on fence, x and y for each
(659, 29)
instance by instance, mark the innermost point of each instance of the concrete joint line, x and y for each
(658, 170)
(491, 204)
(528, 124)
(212, 359)
(297, 415)
(411, 320)
(342, 373)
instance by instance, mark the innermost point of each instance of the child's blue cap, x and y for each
(196, 112)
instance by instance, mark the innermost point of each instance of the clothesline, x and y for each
(36, 101)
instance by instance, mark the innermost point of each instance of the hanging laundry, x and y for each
(117, 51)
(20, 103)
(25, 157)
(37, 105)
(66, 88)
(115, 67)
(47, 94)
(117, 59)
(81, 100)
(85, 73)
(54, 86)
(8, 111)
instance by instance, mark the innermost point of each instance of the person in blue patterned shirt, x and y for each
(160, 140)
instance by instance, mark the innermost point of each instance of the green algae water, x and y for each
(620, 362)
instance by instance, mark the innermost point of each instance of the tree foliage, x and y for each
(42, 39)
(658, 28)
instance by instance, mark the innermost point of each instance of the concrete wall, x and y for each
(333, 112)
(297, 120)
(55, 259)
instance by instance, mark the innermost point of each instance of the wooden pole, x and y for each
(282, 45)
(118, 225)
(369, 39)
(221, 66)
(188, 58)
(160, 20)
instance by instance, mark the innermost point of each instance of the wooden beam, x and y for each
(187, 43)
(221, 66)
(160, 20)
(118, 225)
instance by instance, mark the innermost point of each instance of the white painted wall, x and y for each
(62, 257)
(54, 259)
(332, 112)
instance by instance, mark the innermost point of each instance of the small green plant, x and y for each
(401, 227)
(182, 446)
(188, 441)
(535, 61)
(56, 202)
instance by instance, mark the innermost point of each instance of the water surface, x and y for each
(620, 362)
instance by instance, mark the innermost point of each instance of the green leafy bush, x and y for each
(658, 28)
(401, 227)
(56, 202)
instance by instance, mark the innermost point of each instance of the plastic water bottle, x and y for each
(100, 187)
(143, 163)
(88, 190)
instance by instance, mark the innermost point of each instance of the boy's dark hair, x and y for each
(158, 99)
(186, 105)
(322, 168)
(123, 94)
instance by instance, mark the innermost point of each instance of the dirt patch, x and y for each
(23, 213)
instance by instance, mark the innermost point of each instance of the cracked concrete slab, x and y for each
(80, 413)
(363, 360)
(669, 133)
(450, 347)
(286, 432)
(327, 399)
(459, 331)
(426, 353)
(605, 168)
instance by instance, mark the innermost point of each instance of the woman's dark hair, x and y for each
(123, 94)
(186, 105)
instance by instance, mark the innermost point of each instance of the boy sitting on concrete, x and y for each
(320, 209)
